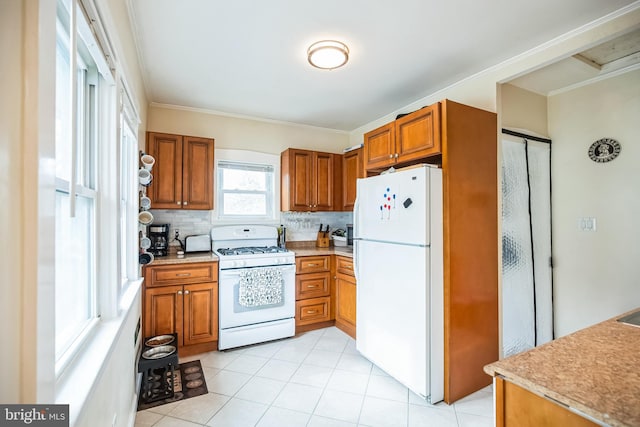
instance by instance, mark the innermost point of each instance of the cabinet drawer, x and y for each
(344, 265)
(163, 275)
(313, 285)
(312, 264)
(312, 310)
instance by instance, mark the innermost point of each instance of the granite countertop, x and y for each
(172, 258)
(308, 248)
(595, 371)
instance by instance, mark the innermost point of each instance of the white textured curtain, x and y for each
(527, 300)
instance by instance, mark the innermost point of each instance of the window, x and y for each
(245, 190)
(128, 195)
(78, 118)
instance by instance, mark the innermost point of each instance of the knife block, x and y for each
(322, 241)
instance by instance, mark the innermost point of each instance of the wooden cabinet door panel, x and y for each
(352, 169)
(517, 407)
(301, 198)
(165, 190)
(418, 134)
(344, 265)
(312, 310)
(197, 173)
(200, 313)
(346, 303)
(323, 172)
(313, 285)
(379, 147)
(163, 311)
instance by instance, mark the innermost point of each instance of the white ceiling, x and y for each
(613, 56)
(249, 57)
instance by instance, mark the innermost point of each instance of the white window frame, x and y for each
(269, 192)
(128, 156)
(247, 157)
(86, 163)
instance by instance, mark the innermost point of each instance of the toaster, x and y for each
(197, 243)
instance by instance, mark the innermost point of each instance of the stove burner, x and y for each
(250, 250)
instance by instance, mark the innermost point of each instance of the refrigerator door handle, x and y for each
(355, 260)
(356, 209)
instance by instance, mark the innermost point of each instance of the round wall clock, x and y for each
(604, 150)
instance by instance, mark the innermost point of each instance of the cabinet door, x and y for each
(418, 134)
(296, 180)
(352, 169)
(197, 173)
(163, 311)
(200, 313)
(379, 147)
(322, 195)
(165, 190)
(346, 303)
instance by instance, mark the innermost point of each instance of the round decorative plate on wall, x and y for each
(604, 150)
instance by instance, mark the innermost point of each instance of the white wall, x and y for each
(242, 133)
(523, 109)
(11, 206)
(595, 273)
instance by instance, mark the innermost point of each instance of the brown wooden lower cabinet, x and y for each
(345, 296)
(190, 310)
(313, 292)
(517, 407)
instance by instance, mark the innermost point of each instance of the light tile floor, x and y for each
(315, 379)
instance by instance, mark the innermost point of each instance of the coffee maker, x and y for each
(159, 235)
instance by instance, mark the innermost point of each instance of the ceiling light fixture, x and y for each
(328, 54)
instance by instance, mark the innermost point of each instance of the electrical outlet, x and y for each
(587, 224)
(177, 233)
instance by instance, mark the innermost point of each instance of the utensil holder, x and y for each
(322, 241)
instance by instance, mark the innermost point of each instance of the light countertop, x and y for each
(299, 248)
(172, 258)
(595, 371)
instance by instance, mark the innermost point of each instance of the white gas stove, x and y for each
(256, 285)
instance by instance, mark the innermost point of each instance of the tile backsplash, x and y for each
(300, 225)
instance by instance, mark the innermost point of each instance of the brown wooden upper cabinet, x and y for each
(352, 169)
(310, 180)
(183, 172)
(409, 138)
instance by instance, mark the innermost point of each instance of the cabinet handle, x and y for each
(312, 265)
(349, 267)
(391, 156)
(183, 274)
(312, 286)
(312, 311)
(185, 203)
(179, 292)
(178, 203)
(186, 292)
(396, 155)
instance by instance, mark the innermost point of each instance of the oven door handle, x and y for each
(236, 271)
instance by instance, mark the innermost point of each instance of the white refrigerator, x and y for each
(398, 261)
